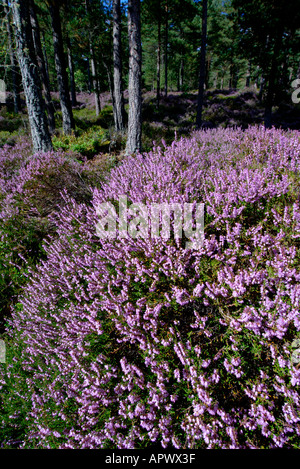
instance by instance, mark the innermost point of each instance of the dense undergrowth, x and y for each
(142, 343)
(30, 190)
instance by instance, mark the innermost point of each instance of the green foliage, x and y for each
(6, 137)
(80, 80)
(268, 35)
(9, 121)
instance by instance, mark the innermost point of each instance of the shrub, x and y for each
(131, 343)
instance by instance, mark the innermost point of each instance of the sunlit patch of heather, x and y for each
(130, 343)
(30, 190)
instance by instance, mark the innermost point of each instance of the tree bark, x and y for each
(42, 67)
(202, 65)
(269, 101)
(46, 60)
(118, 99)
(166, 47)
(71, 70)
(61, 72)
(41, 138)
(95, 80)
(89, 76)
(180, 74)
(248, 76)
(158, 57)
(16, 96)
(109, 79)
(134, 84)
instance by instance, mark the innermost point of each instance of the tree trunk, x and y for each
(202, 65)
(30, 76)
(109, 79)
(269, 101)
(235, 80)
(46, 60)
(231, 72)
(248, 76)
(181, 73)
(271, 83)
(134, 84)
(95, 80)
(215, 80)
(158, 59)
(71, 70)
(166, 48)
(207, 72)
(261, 88)
(42, 67)
(118, 100)
(233, 76)
(61, 72)
(16, 96)
(89, 76)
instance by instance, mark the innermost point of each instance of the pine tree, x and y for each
(71, 71)
(93, 62)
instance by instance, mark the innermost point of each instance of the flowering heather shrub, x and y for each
(133, 343)
(30, 189)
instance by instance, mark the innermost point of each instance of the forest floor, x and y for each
(176, 114)
(175, 333)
